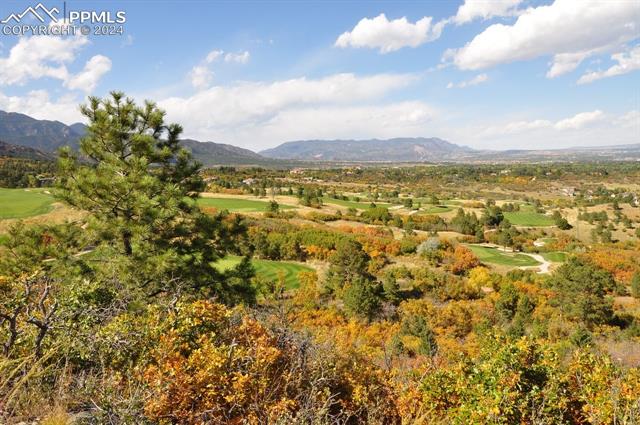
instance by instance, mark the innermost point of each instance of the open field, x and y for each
(238, 204)
(494, 256)
(269, 269)
(21, 203)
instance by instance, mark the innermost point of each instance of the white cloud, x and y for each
(38, 104)
(564, 27)
(201, 77)
(241, 112)
(237, 57)
(593, 128)
(88, 78)
(388, 36)
(579, 121)
(627, 62)
(213, 55)
(566, 62)
(38, 57)
(32, 58)
(335, 122)
(517, 127)
(485, 9)
(478, 79)
(576, 122)
(630, 119)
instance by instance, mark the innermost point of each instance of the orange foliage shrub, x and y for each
(211, 366)
(621, 262)
(462, 260)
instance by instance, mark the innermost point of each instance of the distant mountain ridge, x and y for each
(404, 149)
(16, 151)
(210, 153)
(44, 136)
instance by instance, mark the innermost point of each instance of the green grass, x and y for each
(238, 204)
(554, 257)
(492, 255)
(267, 269)
(528, 217)
(21, 203)
(363, 205)
(436, 209)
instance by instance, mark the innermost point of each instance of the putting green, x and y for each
(21, 203)
(494, 256)
(268, 269)
(436, 209)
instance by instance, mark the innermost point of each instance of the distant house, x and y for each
(297, 171)
(250, 181)
(45, 181)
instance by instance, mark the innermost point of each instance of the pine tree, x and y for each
(140, 188)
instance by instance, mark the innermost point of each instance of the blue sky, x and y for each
(488, 74)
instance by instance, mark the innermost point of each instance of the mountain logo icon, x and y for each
(40, 12)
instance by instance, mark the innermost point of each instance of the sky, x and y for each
(498, 74)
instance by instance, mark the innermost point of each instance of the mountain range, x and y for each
(408, 149)
(45, 137)
(27, 137)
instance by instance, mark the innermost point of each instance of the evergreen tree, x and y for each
(418, 327)
(362, 298)
(391, 288)
(581, 289)
(140, 187)
(347, 263)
